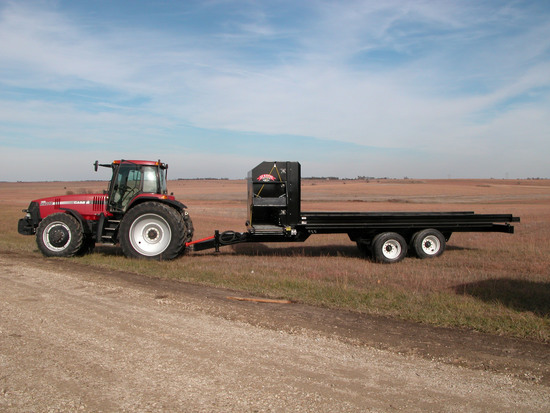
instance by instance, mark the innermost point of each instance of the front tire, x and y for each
(59, 235)
(152, 230)
(88, 245)
(389, 247)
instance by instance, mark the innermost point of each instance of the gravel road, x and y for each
(73, 339)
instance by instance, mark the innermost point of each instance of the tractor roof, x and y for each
(132, 162)
(144, 163)
(151, 163)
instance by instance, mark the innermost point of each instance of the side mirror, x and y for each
(96, 165)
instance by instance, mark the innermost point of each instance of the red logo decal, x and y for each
(266, 178)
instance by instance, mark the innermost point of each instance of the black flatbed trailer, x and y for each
(274, 200)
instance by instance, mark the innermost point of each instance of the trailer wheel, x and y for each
(152, 230)
(59, 235)
(389, 247)
(428, 243)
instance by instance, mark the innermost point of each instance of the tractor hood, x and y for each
(87, 205)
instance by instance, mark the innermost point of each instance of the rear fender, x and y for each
(161, 198)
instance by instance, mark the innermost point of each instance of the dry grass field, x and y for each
(495, 283)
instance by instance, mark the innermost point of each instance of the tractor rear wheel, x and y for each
(153, 230)
(188, 226)
(59, 235)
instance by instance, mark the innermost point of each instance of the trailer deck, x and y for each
(450, 221)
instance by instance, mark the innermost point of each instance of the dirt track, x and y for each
(72, 338)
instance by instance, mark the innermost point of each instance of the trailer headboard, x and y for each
(274, 194)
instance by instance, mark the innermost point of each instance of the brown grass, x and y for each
(496, 283)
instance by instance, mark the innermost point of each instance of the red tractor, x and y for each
(136, 211)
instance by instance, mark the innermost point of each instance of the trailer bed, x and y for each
(331, 222)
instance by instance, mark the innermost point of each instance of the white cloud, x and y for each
(313, 87)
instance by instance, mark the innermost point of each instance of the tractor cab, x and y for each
(131, 179)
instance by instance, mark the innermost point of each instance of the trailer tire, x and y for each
(389, 247)
(153, 231)
(59, 235)
(428, 243)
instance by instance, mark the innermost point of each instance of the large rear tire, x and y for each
(389, 247)
(59, 235)
(153, 230)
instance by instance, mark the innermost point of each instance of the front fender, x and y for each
(83, 223)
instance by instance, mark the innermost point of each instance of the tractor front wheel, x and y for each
(153, 230)
(59, 235)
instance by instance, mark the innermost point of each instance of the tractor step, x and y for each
(108, 230)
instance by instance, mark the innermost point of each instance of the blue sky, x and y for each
(424, 89)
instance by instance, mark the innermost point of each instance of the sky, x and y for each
(394, 88)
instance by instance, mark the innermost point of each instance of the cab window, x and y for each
(150, 182)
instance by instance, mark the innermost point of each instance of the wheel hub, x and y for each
(431, 245)
(152, 234)
(56, 236)
(392, 249)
